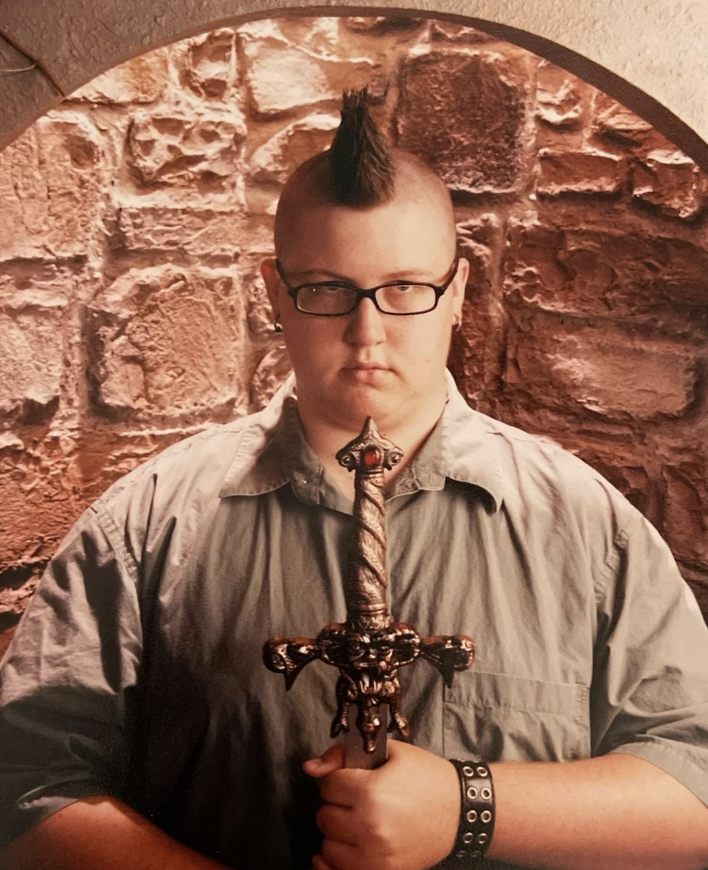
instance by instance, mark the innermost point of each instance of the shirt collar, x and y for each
(273, 451)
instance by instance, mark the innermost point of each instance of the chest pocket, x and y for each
(499, 717)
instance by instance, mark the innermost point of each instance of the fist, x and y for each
(402, 816)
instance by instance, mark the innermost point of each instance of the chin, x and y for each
(357, 405)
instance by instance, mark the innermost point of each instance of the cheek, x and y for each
(430, 341)
(310, 345)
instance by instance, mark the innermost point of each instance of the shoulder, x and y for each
(550, 491)
(202, 460)
(180, 487)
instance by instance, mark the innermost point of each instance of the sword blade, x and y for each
(354, 754)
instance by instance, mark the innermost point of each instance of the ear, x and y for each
(271, 279)
(459, 285)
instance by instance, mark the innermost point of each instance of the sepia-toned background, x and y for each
(133, 218)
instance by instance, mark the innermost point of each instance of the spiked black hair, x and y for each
(360, 158)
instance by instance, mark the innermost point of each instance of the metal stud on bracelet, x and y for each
(476, 827)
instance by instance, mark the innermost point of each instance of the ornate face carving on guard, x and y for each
(378, 653)
(369, 648)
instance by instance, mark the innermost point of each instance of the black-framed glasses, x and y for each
(336, 298)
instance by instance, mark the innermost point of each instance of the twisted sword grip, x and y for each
(366, 580)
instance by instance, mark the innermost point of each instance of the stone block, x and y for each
(167, 344)
(579, 172)
(274, 161)
(476, 348)
(31, 363)
(670, 181)
(26, 285)
(559, 97)
(38, 494)
(379, 25)
(282, 77)
(196, 232)
(608, 272)
(686, 509)
(603, 371)
(465, 115)
(208, 63)
(14, 599)
(51, 189)
(143, 79)
(617, 121)
(174, 147)
(459, 34)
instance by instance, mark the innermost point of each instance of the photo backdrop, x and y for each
(133, 218)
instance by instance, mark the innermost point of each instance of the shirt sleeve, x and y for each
(66, 679)
(649, 696)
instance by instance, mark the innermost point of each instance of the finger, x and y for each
(332, 759)
(319, 863)
(337, 823)
(341, 855)
(344, 787)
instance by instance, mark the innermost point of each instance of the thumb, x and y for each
(332, 759)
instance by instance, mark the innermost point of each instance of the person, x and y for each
(140, 728)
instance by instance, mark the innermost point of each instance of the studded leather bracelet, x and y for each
(474, 833)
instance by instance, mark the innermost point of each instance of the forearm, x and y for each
(100, 832)
(617, 812)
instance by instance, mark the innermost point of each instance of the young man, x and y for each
(141, 729)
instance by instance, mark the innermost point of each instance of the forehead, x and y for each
(406, 233)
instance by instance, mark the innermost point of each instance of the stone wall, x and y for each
(133, 218)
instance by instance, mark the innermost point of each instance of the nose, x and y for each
(366, 325)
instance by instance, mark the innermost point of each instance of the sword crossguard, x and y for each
(368, 663)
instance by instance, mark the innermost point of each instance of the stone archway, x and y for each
(648, 56)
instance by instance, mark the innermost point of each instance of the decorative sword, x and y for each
(369, 648)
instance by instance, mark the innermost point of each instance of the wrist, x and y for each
(477, 813)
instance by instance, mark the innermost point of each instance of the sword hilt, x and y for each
(369, 648)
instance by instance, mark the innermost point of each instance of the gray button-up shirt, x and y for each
(137, 670)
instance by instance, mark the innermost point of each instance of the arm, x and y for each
(99, 832)
(616, 812)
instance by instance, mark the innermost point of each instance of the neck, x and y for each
(326, 437)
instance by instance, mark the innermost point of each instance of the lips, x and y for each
(366, 367)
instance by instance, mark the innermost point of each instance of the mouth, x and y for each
(365, 367)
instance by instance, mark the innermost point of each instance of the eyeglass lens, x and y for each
(392, 299)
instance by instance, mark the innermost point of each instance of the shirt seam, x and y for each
(619, 544)
(113, 536)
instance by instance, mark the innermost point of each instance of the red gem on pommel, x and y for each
(369, 453)
(372, 456)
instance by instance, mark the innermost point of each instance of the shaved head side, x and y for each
(360, 170)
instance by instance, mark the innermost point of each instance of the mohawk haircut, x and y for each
(360, 159)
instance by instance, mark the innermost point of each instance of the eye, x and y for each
(325, 298)
(323, 289)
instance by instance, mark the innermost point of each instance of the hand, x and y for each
(402, 816)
